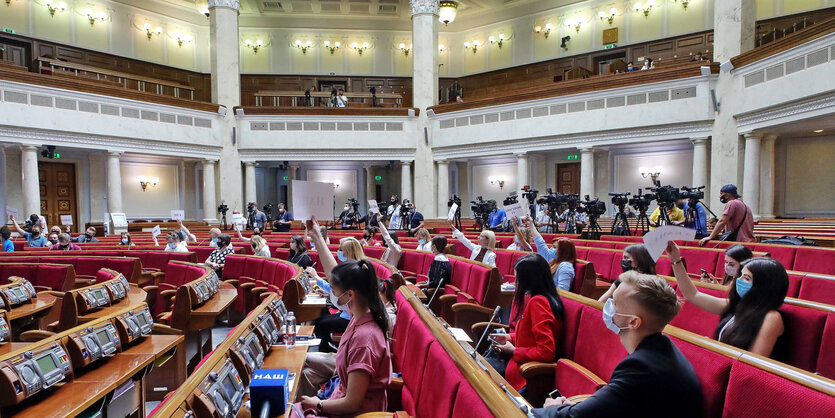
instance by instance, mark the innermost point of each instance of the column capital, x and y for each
(368, 166)
(770, 137)
(29, 147)
(425, 7)
(405, 162)
(520, 154)
(752, 135)
(442, 161)
(700, 140)
(249, 163)
(586, 150)
(210, 160)
(231, 4)
(113, 153)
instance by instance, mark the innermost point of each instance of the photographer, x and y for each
(285, 219)
(414, 220)
(580, 220)
(371, 220)
(675, 214)
(695, 218)
(737, 221)
(496, 220)
(543, 220)
(394, 213)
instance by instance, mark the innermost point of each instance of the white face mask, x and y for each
(340, 306)
(609, 317)
(731, 271)
(346, 208)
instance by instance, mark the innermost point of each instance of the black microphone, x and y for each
(435, 293)
(486, 331)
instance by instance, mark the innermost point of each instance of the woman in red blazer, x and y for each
(538, 327)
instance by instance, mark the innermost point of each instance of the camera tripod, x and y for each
(663, 216)
(621, 224)
(593, 231)
(643, 222)
(223, 224)
(456, 219)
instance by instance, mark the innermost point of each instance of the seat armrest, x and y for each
(165, 330)
(34, 335)
(39, 289)
(84, 282)
(478, 327)
(536, 369)
(233, 282)
(541, 379)
(168, 293)
(52, 293)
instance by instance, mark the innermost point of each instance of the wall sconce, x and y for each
(335, 183)
(203, 7)
(359, 48)
(93, 17)
(474, 45)
(574, 24)
(684, 3)
(650, 4)
(545, 31)
(255, 46)
(144, 182)
(304, 46)
(8, 3)
(498, 41)
(499, 180)
(441, 48)
(55, 7)
(333, 48)
(406, 50)
(611, 17)
(645, 172)
(183, 39)
(151, 32)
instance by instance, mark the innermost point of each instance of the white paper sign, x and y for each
(460, 335)
(452, 209)
(656, 240)
(119, 220)
(178, 215)
(238, 221)
(518, 209)
(156, 231)
(372, 206)
(311, 198)
(66, 219)
(11, 212)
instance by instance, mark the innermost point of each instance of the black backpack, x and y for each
(789, 240)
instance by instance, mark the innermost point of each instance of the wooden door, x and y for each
(568, 178)
(57, 184)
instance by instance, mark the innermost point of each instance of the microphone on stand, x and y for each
(435, 293)
(486, 331)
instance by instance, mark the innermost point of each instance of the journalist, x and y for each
(414, 220)
(285, 219)
(695, 217)
(737, 220)
(496, 220)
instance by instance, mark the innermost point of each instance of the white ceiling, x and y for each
(352, 14)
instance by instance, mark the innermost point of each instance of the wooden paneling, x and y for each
(252, 83)
(783, 44)
(327, 111)
(568, 178)
(57, 188)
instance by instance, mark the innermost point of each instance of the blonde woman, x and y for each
(349, 249)
(484, 251)
(259, 246)
(522, 240)
(214, 233)
(424, 240)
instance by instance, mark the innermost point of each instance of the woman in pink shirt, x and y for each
(363, 360)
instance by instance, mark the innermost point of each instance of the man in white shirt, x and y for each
(341, 100)
(394, 214)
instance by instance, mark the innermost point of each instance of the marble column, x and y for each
(30, 181)
(250, 194)
(224, 60)
(586, 172)
(292, 171)
(369, 184)
(443, 187)
(751, 174)
(425, 94)
(522, 171)
(767, 176)
(114, 182)
(540, 175)
(3, 181)
(209, 200)
(464, 187)
(98, 187)
(406, 181)
(734, 25)
(700, 160)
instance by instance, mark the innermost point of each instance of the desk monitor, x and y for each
(200, 291)
(16, 293)
(31, 372)
(125, 283)
(222, 393)
(134, 324)
(278, 310)
(5, 332)
(213, 281)
(116, 289)
(248, 354)
(267, 329)
(96, 297)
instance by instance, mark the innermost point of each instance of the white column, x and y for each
(3, 182)
(30, 181)
(369, 184)
(114, 182)
(751, 173)
(98, 187)
(209, 199)
(292, 171)
(249, 182)
(464, 187)
(767, 176)
(700, 160)
(443, 187)
(522, 171)
(586, 172)
(540, 172)
(734, 25)
(406, 181)
(424, 94)
(224, 48)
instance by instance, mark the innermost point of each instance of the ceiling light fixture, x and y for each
(333, 47)
(203, 7)
(545, 31)
(447, 11)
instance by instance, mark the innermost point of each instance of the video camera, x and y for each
(405, 207)
(251, 206)
(454, 200)
(223, 207)
(530, 194)
(641, 201)
(692, 193)
(594, 208)
(354, 203)
(620, 199)
(268, 210)
(512, 199)
(667, 196)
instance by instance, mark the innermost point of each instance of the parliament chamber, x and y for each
(226, 208)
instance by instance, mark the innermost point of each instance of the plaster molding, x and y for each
(774, 115)
(277, 155)
(419, 7)
(231, 4)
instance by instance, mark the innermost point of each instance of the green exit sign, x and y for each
(57, 155)
(378, 178)
(610, 46)
(8, 30)
(286, 177)
(573, 156)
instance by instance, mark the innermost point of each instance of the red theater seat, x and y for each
(815, 260)
(826, 356)
(605, 353)
(818, 289)
(803, 335)
(713, 370)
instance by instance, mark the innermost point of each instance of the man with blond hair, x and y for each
(655, 379)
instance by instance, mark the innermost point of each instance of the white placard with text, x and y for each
(372, 206)
(178, 215)
(656, 240)
(66, 219)
(312, 198)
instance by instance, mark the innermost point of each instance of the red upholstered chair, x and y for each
(411, 264)
(504, 262)
(53, 277)
(602, 260)
(615, 270)
(468, 403)
(582, 253)
(815, 260)
(701, 258)
(753, 392)
(438, 391)
(826, 356)
(819, 289)
(599, 244)
(803, 335)
(785, 254)
(694, 319)
(795, 280)
(597, 348)
(663, 266)
(713, 370)
(418, 344)
(233, 267)
(573, 379)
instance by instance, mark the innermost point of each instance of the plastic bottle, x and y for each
(290, 330)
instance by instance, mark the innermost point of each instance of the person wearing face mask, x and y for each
(6, 236)
(259, 247)
(496, 219)
(284, 221)
(394, 214)
(735, 255)
(370, 220)
(655, 379)
(89, 236)
(415, 220)
(255, 233)
(393, 251)
(217, 259)
(213, 234)
(424, 240)
(173, 243)
(522, 240)
(56, 230)
(631, 67)
(750, 319)
(369, 239)
(65, 244)
(53, 238)
(635, 257)
(185, 234)
(648, 65)
(346, 217)
(674, 212)
(298, 252)
(485, 250)
(34, 238)
(737, 220)
(125, 240)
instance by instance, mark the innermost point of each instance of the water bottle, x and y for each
(290, 330)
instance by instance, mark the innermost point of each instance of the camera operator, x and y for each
(496, 220)
(414, 220)
(695, 218)
(628, 212)
(580, 219)
(345, 217)
(675, 214)
(256, 217)
(737, 220)
(284, 221)
(370, 220)
(543, 220)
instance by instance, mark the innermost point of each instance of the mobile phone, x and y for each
(555, 394)
(309, 223)
(704, 272)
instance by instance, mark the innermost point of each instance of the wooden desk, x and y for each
(205, 315)
(22, 317)
(169, 375)
(9, 347)
(134, 298)
(70, 399)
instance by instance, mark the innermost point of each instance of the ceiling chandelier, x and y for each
(448, 10)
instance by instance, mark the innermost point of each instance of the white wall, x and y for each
(348, 186)
(154, 202)
(676, 168)
(805, 176)
(480, 183)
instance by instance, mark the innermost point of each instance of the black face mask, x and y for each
(88, 235)
(723, 199)
(626, 265)
(53, 241)
(36, 233)
(367, 237)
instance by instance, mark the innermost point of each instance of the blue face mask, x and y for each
(124, 240)
(742, 287)
(214, 240)
(341, 256)
(172, 245)
(421, 241)
(609, 317)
